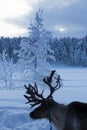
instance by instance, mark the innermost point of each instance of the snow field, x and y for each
(14, 113)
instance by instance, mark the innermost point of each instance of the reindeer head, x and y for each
(36, 98)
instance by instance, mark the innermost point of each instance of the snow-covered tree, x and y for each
(82, 52)
(36, 50)
(7, 68)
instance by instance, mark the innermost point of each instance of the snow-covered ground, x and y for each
(14, 113)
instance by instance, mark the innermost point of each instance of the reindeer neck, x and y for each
(58, 114)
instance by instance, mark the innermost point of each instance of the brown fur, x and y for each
(65, 117)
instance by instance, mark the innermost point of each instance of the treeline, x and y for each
(9, 45)
(67, 50)
(70, 51)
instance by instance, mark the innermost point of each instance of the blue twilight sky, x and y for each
(62, 17)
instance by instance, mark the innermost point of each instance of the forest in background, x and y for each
(67, 50)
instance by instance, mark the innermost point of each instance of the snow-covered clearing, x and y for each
(14, 113)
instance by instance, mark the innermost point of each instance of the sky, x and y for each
(62, 17)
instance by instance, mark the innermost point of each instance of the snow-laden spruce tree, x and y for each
(36, 50)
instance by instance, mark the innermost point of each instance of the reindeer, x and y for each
(65, 117)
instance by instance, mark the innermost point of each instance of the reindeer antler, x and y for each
(33, 96)
(48, 81)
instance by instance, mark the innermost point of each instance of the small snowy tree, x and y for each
(7, 67)
(36, 50)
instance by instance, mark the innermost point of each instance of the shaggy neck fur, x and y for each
(58, 116)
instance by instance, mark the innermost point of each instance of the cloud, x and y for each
(58, 3)
(11, 12)
(15, 15)
(70, 30)
(72, 18)
(13, 8)
(10, 30)
(64, 17)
